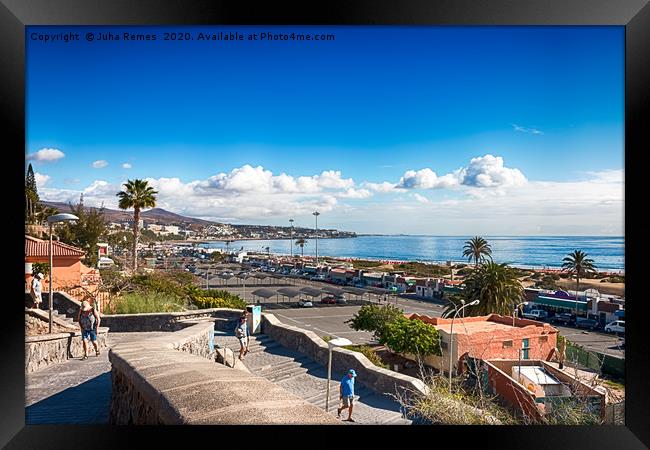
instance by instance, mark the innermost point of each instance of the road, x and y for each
(330, 319)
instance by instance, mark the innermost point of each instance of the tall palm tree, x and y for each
(577, 263)
(137, 195)
(301, 242)
(477, 249)
(496, 286)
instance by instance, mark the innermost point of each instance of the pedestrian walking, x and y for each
(241, 332)
(89, 321)
(346, 394)
(36, 289)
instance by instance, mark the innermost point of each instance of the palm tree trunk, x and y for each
(136, 219)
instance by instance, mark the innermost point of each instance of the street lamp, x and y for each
(451, 335)
(514, 313)
(316, 214)
(52, 220)
(291, 238)
(338, 342)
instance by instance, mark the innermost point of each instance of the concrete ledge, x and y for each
(172, 321)
(310, 344)
(169, 380)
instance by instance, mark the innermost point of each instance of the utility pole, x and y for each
(291, 238)
(316, 214)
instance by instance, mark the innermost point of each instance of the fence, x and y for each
(607, 364)
(615, 413)
(80, 293)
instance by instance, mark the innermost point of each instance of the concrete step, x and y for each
(319, 399)
(274, 367)
(289, 372)
(252, 349)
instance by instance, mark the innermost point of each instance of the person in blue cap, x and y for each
(346, 396)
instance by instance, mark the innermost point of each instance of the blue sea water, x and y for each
(520, 251)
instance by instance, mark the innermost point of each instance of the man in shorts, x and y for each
(241, 332)
(89, 321)
(36, 289)
(346, 394)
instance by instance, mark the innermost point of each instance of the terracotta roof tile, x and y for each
(39, 247)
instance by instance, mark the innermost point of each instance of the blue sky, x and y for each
(372, 104)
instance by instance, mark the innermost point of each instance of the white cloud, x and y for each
(41, 180)
(46, 155)
(355, 193)
(489, 171)
(483, 172)
(126, 166)
(100, 164)
(526, 130)
(421, 198)
(384, 187)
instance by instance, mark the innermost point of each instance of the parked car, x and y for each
(328, 300)
(305, 303)
(340, 299)
(583, 322)
(618, 326)
(535, 314)
(564, 318)
(317, 278)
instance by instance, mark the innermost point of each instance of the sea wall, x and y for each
(47, 349)
(168, 380)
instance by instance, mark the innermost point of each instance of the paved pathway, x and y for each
(306, 378)
(73, 392)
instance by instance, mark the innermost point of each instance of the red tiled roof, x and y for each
(38, 247)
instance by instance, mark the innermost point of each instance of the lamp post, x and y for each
(338, 342)
(52, 220)
(291, 237)
(316, 214)
(451, 336)
(207, 277)
(514, 313)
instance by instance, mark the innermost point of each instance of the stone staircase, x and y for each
(306, 378)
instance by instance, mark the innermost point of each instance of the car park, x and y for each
(329, 300)
(535, 314)
(583, 322)
(305, 303)
(340, 299)
(318, 278)
(618, 326)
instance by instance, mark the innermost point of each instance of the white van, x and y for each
(618, 326)
(535, 314)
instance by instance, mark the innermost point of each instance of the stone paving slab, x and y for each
(74, 391)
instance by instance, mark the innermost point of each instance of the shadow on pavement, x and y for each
(87, 403)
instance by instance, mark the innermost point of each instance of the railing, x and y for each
(100, 299)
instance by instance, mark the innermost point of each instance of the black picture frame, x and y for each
(634, 15)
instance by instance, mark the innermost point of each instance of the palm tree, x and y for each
(301, 242)
(477, 249)
(496, 286)
(577, 263)
(137, 195)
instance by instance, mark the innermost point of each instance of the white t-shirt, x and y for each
(36, 286)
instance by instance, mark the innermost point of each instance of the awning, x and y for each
(311, 292)
(353, 290)
(561, 303)
(332, 290)
(289, 292)
(377, 290)
(620, 313)
(264, 293)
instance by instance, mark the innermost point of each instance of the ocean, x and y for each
(519, 251)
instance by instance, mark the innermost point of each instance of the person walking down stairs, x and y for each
(242, 335)
(89, 321)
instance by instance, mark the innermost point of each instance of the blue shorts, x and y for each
(89, 334)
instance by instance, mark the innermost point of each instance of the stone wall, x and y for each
(46, 349)
(167, 321)
(308, 343)
(164, 380)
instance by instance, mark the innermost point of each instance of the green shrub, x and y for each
(327, 338)
(404, 335)
(219, 302)
(43, 268)
(138, 302)
(369, 353)
(374, 318)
